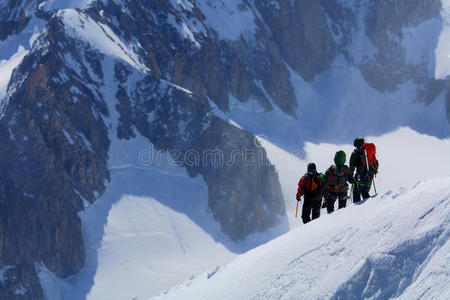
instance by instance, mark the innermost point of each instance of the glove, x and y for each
(298, 198)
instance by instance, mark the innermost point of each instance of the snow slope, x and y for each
(392, 246)
(151, 229)
(143, 238)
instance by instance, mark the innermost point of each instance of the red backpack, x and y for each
(369, 152)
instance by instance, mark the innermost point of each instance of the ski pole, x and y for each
(296, 211)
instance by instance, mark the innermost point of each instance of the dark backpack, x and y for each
(337, 180)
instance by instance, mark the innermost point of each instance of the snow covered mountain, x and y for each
(391, 246)
(106, 103)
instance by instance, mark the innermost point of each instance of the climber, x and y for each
(335, 183)
(364, 162)
(311, 187)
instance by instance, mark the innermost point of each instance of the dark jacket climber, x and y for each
(311, 187)
(363, 174)
(335, 182)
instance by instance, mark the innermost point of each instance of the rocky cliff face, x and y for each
(313, 48)
(386, 25)
(14, 16)
(55, 153)
(177, 45)
(55, 143)
(157, 68)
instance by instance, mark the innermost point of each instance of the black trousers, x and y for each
(311, 208)
(332, 197)
(361, 188)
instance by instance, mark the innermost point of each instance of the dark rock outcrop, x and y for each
(14, 16)
(244, 185)
(300, 29)
(20, 282)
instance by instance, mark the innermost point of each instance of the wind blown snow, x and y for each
(392, 246)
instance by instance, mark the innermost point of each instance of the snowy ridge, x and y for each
(99, 36)
(16, 47)
(394, 245)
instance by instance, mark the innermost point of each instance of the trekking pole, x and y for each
(296, 211)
